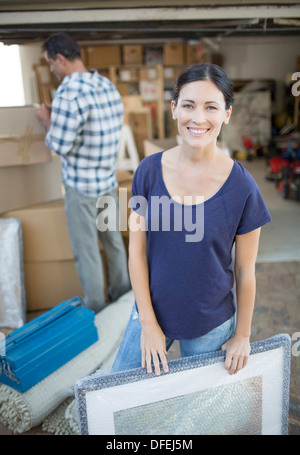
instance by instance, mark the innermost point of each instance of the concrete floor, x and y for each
(280, 239)
(277, 307)
(278, 282)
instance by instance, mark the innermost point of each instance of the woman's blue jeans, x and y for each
(129, 354)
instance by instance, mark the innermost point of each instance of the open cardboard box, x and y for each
(22, 137)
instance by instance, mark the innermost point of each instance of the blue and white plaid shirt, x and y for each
(86, 122)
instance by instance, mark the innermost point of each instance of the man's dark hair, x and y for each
(61, 43)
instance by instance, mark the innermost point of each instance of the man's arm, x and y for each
(62, 123)
(43, 113)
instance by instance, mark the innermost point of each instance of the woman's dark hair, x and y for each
(61, 43)
(206, 72)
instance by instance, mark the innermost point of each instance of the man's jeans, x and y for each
(129, 354)
(81, 213)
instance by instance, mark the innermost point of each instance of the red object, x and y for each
(247, 142)
(289, 186)
(276, 163)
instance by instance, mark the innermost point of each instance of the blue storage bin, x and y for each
(46, 343)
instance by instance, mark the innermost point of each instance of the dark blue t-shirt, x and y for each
(189, 247)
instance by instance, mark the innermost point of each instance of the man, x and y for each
(84, 128)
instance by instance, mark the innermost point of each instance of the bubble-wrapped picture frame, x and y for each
(12, 290)
(197, 397)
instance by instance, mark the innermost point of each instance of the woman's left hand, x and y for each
(237, 352)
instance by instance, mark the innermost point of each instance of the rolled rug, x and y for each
(22, 411)
(64, 419)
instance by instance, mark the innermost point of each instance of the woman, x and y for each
(183, 286)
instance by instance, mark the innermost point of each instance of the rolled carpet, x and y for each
(22, 411)
(64, 420)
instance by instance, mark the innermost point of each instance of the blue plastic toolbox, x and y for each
(46, 343)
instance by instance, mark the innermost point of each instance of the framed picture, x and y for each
(197, 397)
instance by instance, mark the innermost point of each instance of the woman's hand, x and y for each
(153, 345)
(237, 353)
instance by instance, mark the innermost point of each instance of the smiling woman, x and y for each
(11, 81)
(200, 111)
(184, 289)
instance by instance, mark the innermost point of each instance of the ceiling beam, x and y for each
(146, 14)
(36, 5)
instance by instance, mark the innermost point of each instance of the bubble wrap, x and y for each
(196, 397)
(12, 293)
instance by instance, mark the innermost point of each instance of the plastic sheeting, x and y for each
(197, 396)
(12, 293)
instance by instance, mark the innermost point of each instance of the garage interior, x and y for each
(142, 47)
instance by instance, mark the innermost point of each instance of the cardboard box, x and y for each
(102, 56)
(217, 58)
(149, 90)
(148, 73)
(140, 122)
(123, 176)
(132, 102)
(171, 126)
(22, 186)
(172, 73)
(22, 137)
(158, 145)
(154, 55)
(49, 283)
(133, 54)
(45, 232)
(174, 54)
(128, 75)
(124, 192)
(123, 88)
(84, 55)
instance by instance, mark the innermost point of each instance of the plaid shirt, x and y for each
(86, 122)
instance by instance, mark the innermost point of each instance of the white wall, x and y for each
(261, 57)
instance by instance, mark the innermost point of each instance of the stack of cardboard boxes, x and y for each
(30, 182)
(31, 191)
(29, 173)
(101, 56)
(49, 269)
(146, 70)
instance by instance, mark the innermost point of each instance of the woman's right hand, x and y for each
(153, 345)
